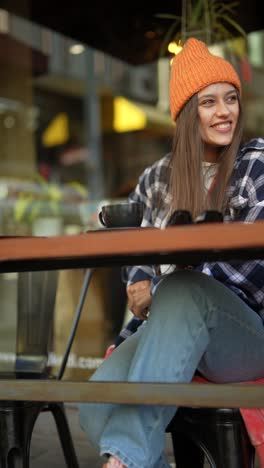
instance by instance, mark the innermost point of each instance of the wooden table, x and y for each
(181, 244)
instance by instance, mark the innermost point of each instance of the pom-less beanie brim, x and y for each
(193, 69)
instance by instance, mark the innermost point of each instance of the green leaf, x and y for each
(197, 12)
(35, 210)
(168, 16)
(78, 188)
(222, 33)
(54, 192)
(167, 38)
(21, 207)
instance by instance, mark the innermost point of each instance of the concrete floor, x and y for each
(46, 451)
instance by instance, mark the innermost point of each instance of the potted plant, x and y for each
(42, 204)
(209, 20)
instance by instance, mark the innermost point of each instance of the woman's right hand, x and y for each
(139, 298)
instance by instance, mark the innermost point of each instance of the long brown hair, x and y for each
(186, 184)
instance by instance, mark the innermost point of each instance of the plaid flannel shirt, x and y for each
(246, 204)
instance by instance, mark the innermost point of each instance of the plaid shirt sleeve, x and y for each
(245, 278)
(152, 183)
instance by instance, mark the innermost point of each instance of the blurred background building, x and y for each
(83, 110)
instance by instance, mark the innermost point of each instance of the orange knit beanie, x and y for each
(193, 69)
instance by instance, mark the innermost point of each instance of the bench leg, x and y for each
(59, 415)
(187, 454)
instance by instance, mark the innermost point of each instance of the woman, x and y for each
(208, 319)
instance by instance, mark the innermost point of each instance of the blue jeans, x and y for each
(195, 323)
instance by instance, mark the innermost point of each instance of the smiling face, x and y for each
(218, 110)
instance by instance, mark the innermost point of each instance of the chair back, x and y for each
(36, 302)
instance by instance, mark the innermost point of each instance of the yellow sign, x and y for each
(127, 116)
(57, 133)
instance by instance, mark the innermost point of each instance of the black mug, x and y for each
(180, 217)
(209, 216)
(122, 215)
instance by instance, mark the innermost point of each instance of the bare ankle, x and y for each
(113, 462)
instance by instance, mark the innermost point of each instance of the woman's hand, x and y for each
(139, 298)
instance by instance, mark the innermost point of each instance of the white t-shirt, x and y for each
(209, 171)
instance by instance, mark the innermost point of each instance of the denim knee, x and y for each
(186, 295)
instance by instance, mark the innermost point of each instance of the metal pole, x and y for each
(77, 316)
(93, 131)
